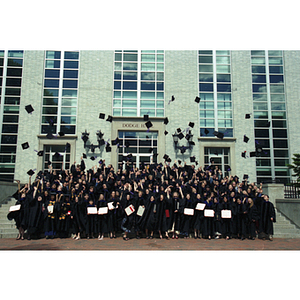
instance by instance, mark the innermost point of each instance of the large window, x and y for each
(11, 66)
(60, 92)
(215, 92)
(270, 115)
(138, 83)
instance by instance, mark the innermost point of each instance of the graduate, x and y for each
(267, 218)
(253, 217)
(198, 218)
(50, 218)
(226, 223)
(102, 218)
(78, 217)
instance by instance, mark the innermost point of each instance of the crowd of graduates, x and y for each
(152, 201)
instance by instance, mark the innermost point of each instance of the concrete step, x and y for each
(9, 230)
(286, 236)
(8, 225)
(8, 235)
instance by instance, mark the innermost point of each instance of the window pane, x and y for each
(280, 143)
(206, 96)
(147, 95)
(223, 87)
(70, 74)
(14, 72)
(159, 86)
(279, 133)
(69, 102)
(222, 52)
(118, 56)
(258, 69)
(224, 105)
(148, 57)
(11, 109)
(223, 78)
(50, 101)
(9, 139)
(258, 52)
(205, 52)
(206, 114)
(160, 58)
(160, 95)
(160, 76)
(129, 85)
(117, 103)
(70, 84)
(224, 97)
(259, 88)
(259, 78)
(275, 53)
(129, 112)
(13, 91)
(130, 76)
(8, 149)
(206, 105)
(15, 62)
(147, 86)
(71, 55)
(260, 115)
(150, 104)
(13, 81)
(69, 93)
(160, 67)
(15, 53)
(129, 103)
(277, 98)
(53, 54)
(261, 133)
(276, 88)
(147, 67)
(224, 114)
(223, 60)
(68, 129)
(276, 69)
(131, 95)
(49, 110)
(205, 68)
(52, 64)
(69, 64)
(129, 57)
(52, 73)
(10, 128)
(12, 100)
(159, 104)
(206, 87)
(275, 61)
(223, 68)
(206, 77)
(276, 78)
(258, 60)
(52, 83)
(281, 153)
(278, 106)
(205, 59)
(279, 124)
(117, 75)
(130, 66)
(260, 106)
(259, 97)
(117, 94)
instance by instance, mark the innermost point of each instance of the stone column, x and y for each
(274, 190)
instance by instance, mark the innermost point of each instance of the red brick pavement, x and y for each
(146, 244)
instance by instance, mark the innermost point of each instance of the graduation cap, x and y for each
(245, 176)
(61, 133)
(228, 169)
(40, 153)
(206, 131)
(25, 145)
(115, 142)
(165, 156)
(49, 135)
(30, 172)
(166, 132)
(49, 163)
(83, 155)
(29, 108)
(101, 116)
(180, 136)
(179, 161)
(108, 149)
(148, 124)
(197, 99)
(247, 116)
(178, 130)
(218, 134)
(192, 159)
(192, 143)
(188, 136)
(146, 118)
(246, 139)
(68, 145)
(166, 121)
(253, 153)
(172, 98)
(191, 124)
(109, 118)
(244, 154)
(56, 154)
(92, 158)
(168, 159)
(85, 137)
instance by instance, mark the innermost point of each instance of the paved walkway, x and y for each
(145, 244)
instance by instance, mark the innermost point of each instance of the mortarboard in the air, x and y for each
(92, 158)
(191, 124)
(25, 145)
(30, 172)
(115, 142)
(188, 136)
(83, 155)
(68, 145)
(109, 119)
(168, 159)
(148, 124)
(150, 150)
(101, 116)
(146, 118)
(219, 135)
(245, 176)
(252, 153)
(180, 136)
(40, 153)
(192, 158)
(179, 161)
(49, 163)
(165, 156)
(166, 132)
(108, 149)
(178, 130)
(197, 99)
(206, 131)
(166, 121)
(129, 155)
(85, 138)
(244, 154)
(49, 135)
(247, 116)
(101, 142)
(192, 143)
(173, 98)
(228, 169)
(29, 108)
(61, 133)
(246, 139)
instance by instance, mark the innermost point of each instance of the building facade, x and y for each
(68, 91)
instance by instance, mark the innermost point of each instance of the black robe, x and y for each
(267, 212)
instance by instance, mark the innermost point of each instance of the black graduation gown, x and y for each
(112, 216)
(64, 218)
(150, 213)
(161, 215)
(226, 223)
(50, 219)
(208, 223)
(79, 219)
(242, 218)
(140, 201)
(267, 212)
(35, 217)
(128, 221)
(20, 215)
(198, 216)
(102, 219)
(187, 220)
(217, 217)
(91, 222)
(252, 218)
